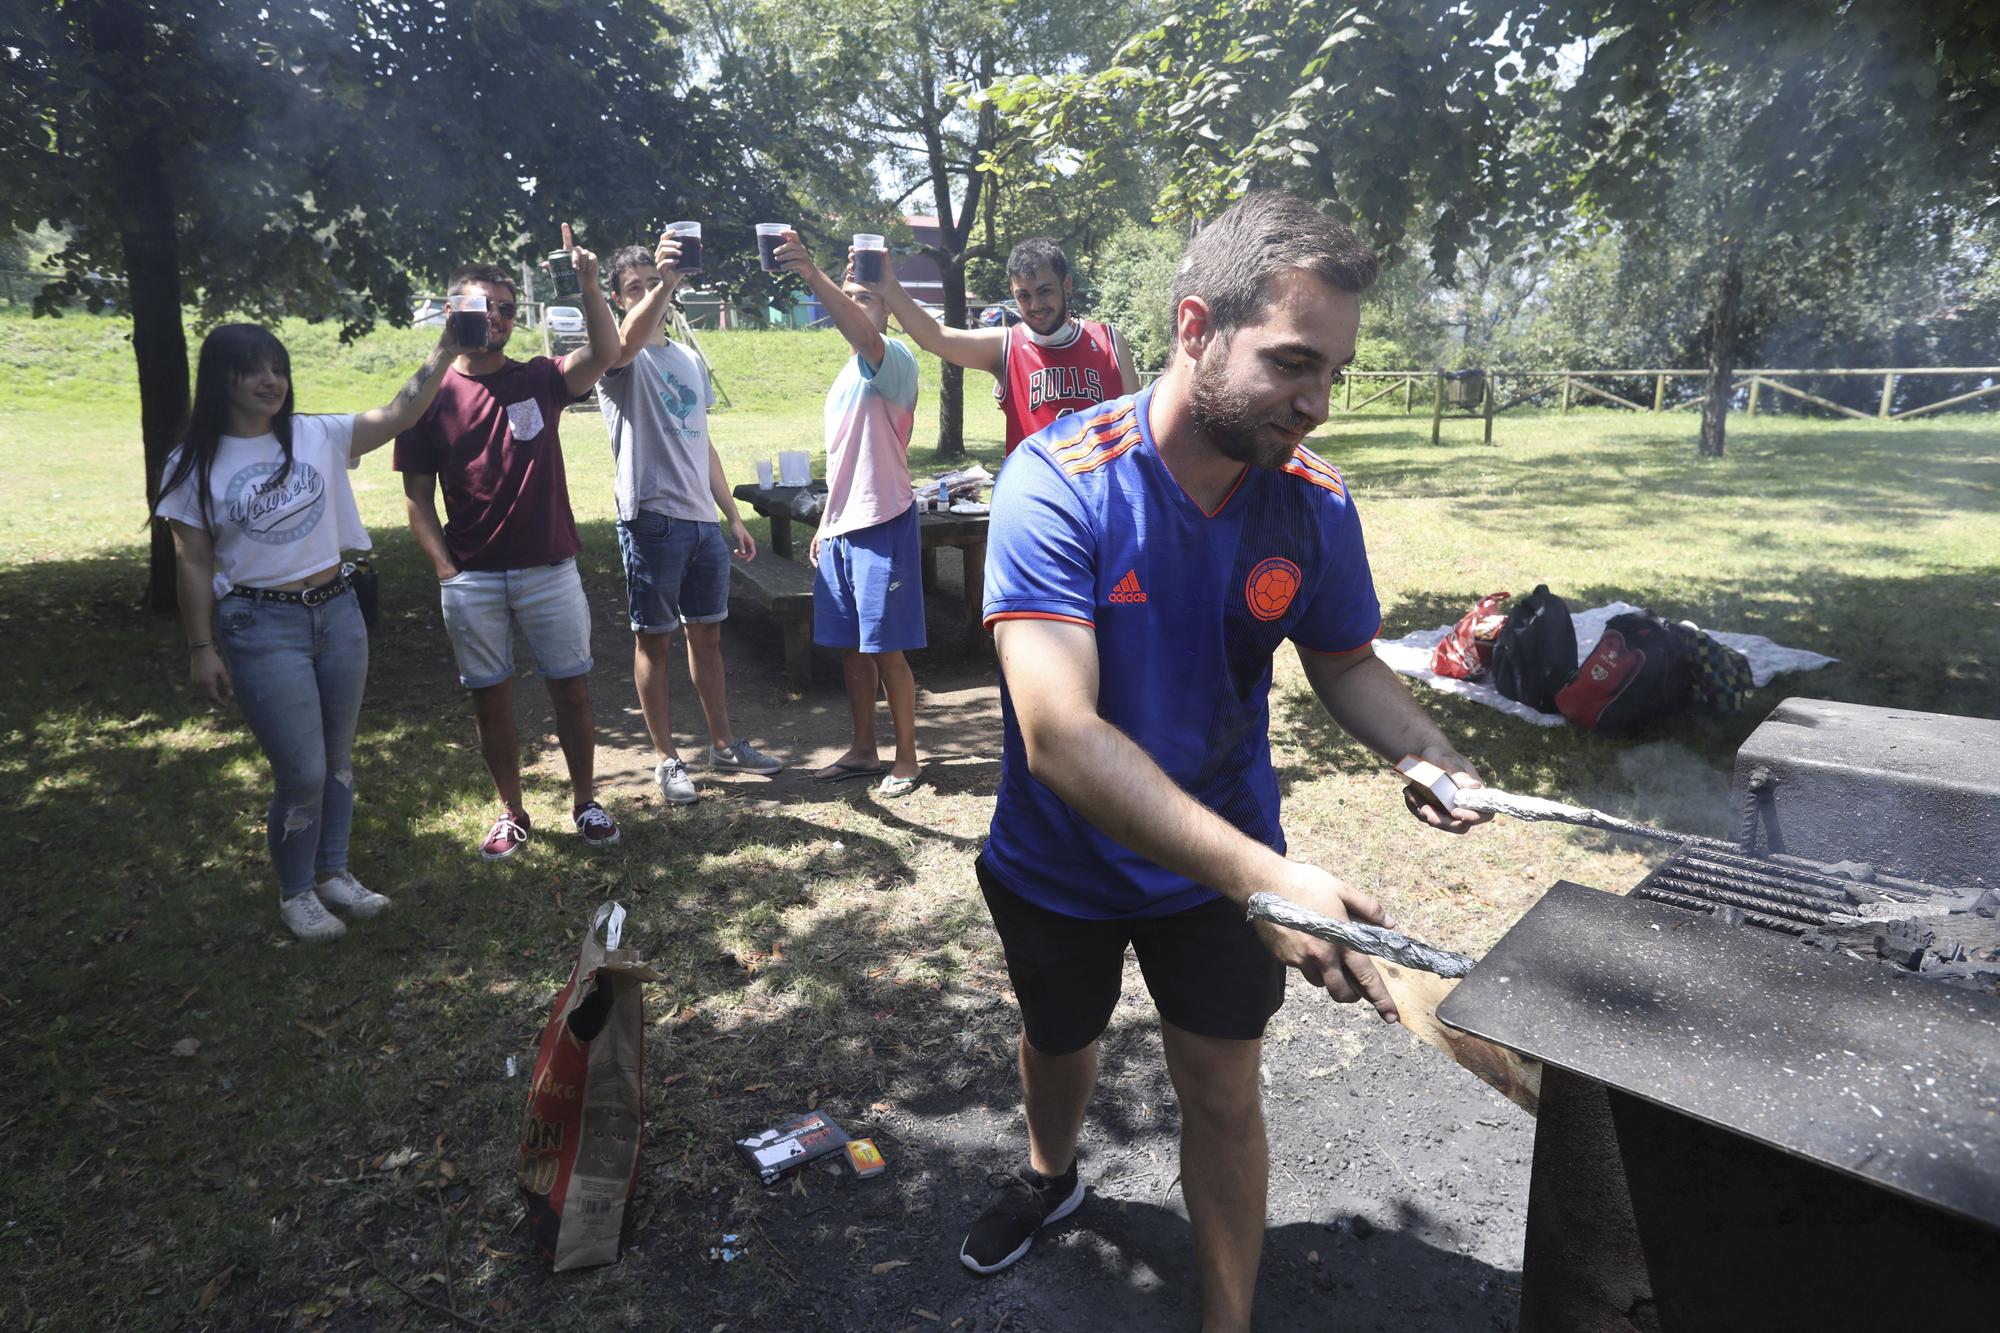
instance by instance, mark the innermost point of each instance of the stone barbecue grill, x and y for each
(1770, 1091)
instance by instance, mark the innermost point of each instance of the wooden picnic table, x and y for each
(967, 532)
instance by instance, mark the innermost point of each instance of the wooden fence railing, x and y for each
(1484, 399)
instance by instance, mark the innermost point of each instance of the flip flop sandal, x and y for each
(894, 786)
(839, 772)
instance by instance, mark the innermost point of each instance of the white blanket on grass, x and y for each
(1411, 656)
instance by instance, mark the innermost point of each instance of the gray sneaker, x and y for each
(675, 785)
(743, 757)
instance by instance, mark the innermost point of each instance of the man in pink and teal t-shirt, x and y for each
(868, 589)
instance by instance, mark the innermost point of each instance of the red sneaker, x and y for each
(508, 835)
(595, 826)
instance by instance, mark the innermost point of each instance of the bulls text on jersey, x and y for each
(1052, 383)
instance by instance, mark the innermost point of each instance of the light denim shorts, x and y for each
(482, 607)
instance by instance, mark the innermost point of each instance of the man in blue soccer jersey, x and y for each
(1147, 559)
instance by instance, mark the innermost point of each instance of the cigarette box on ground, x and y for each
(777, 1152)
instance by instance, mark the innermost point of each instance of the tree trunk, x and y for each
(1721, 353)
(159, 344)
(951, 379)
(135, 161)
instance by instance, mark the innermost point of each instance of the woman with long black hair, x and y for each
(261, 510)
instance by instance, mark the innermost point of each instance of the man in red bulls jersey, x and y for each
(1049, 365)
(1147, 559)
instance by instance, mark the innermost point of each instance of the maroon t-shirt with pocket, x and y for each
(492, 441)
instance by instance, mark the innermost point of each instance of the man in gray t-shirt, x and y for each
(656, 410)
(669, 486)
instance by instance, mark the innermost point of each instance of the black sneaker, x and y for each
(1028, 1202)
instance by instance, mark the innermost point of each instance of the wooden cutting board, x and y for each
(1418, 994)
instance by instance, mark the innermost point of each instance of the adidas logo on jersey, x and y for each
(1128, 589)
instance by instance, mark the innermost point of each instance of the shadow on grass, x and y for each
(196, 1093)
(818, 946)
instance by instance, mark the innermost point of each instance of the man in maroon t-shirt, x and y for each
(505, 554)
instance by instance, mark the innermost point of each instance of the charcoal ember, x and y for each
(1855, 870)
(1904, 944)
(1986, 904)
(1857, 896)
(1820, 940)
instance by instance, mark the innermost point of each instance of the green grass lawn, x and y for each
(68, 408)
(206, 1125)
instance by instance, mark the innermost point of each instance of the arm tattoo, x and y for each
(406, 397)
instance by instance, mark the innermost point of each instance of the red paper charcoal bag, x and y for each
(580, 1148)
(1466, 652)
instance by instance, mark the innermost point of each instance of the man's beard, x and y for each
(1062, 318)
(1232, 421)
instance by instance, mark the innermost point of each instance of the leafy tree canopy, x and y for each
(320, 158)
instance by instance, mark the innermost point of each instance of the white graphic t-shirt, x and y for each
(656, 413)
(269, 531)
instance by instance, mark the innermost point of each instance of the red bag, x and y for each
(1466, 652)
(580, 1147)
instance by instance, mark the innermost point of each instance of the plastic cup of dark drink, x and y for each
(563, 269)
(468, 318)
(871, 252)
(689, 235)
(770, 235)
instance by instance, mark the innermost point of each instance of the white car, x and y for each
(564, 319)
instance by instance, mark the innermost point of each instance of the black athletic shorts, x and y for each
(1205, 967)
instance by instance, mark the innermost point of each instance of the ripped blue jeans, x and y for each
(299, 672)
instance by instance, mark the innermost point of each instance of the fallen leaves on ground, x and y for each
(215, 1287)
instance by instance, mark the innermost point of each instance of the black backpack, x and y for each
(1535, 654)
(1637, 672)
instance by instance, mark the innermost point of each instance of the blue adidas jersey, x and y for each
(1189, 607)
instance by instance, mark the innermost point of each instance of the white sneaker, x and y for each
(675, 784)
(307, 918)
(341, 890)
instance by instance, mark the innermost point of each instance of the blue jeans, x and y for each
(299, 672)
(676, 572)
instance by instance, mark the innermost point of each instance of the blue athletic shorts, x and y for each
(676, 572)
(869, 590)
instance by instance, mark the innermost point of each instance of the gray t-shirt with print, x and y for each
(656, 412)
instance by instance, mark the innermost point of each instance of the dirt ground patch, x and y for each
(1398, 1182)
